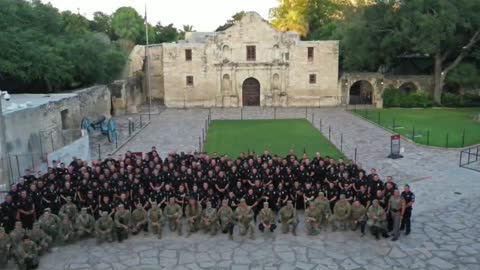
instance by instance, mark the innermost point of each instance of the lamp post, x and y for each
(4, 175)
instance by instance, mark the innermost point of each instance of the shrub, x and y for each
(393, 97)
(455, 100)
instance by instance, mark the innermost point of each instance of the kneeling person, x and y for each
(104, 228)
(288, 218)
(210, 219)
(267, 219)
(139, 220)
(155, 216)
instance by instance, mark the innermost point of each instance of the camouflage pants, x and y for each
(312, 227)
(210, 226)
(155, 228)
(104, 236)
(287, 224)
(245, 227)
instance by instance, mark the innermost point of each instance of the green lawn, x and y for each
(278, 136)
(431, 126)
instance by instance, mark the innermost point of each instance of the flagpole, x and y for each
(147, 61)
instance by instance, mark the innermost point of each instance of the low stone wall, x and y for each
(33, 132)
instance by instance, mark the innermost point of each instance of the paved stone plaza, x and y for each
(445, 228)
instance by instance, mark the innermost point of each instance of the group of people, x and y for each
(113, 198)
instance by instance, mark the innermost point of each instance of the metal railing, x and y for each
(470, 158)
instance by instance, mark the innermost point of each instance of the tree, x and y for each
(127, 24)
(235, 18)
(166, 33)
(102, 23)
(369, 38)
(75, 24)
(290, 16)
(465, 75)
(447, 30)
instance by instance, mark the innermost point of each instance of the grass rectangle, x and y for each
(278, 136)
(433, 124)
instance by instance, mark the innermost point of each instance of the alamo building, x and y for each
(249, 64)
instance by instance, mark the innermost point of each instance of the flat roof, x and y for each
(20, 102)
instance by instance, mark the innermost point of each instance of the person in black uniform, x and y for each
(409, 198)
(8, 211)
(26, 210)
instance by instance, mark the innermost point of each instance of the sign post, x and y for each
(395, 147)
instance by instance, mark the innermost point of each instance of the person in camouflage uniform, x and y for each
(323, 205)
(267, 219)
(5, 244)
(84, 224)
(139, 220)
(50, 223)
(69, 209)
(210, 219)
(37, 235)
(155, 219)
(66, 230)
(244, 215)
(288, 217)
(226, 219)
(341, 213)
(17, 234)
(122, 223)
(193, 213)
(377, 220)
(173, 213)
(358, 217)
(26, 254)
(312, 219)
(104, 228)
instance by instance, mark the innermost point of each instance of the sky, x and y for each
(204, 15)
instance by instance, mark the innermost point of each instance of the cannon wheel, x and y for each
(86, 124)
(112, 131)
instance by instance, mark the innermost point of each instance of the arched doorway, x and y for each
(361, 92)
(251, 92)
(408, 87)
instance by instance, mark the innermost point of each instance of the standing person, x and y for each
(396, 208)
(26, 210)
(409, 198)
(226, 219)
(8, 211)
(288, 218)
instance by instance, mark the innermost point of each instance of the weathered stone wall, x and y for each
(127, 95)
(379, 82)
(34, 131)
(219, 68)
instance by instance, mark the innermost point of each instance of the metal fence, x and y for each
(415, 132)
(470, 158)
(333, 135)
(127, 127)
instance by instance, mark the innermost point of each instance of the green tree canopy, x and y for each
(127, 23)
(235, 18)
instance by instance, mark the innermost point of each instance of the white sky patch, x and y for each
(204, 15)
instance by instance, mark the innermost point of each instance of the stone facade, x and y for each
(210, 69)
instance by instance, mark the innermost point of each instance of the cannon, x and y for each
(107, 127)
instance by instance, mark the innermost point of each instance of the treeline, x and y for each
(438, 37)
(45, 50)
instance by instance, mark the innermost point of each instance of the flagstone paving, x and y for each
(445, 224)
